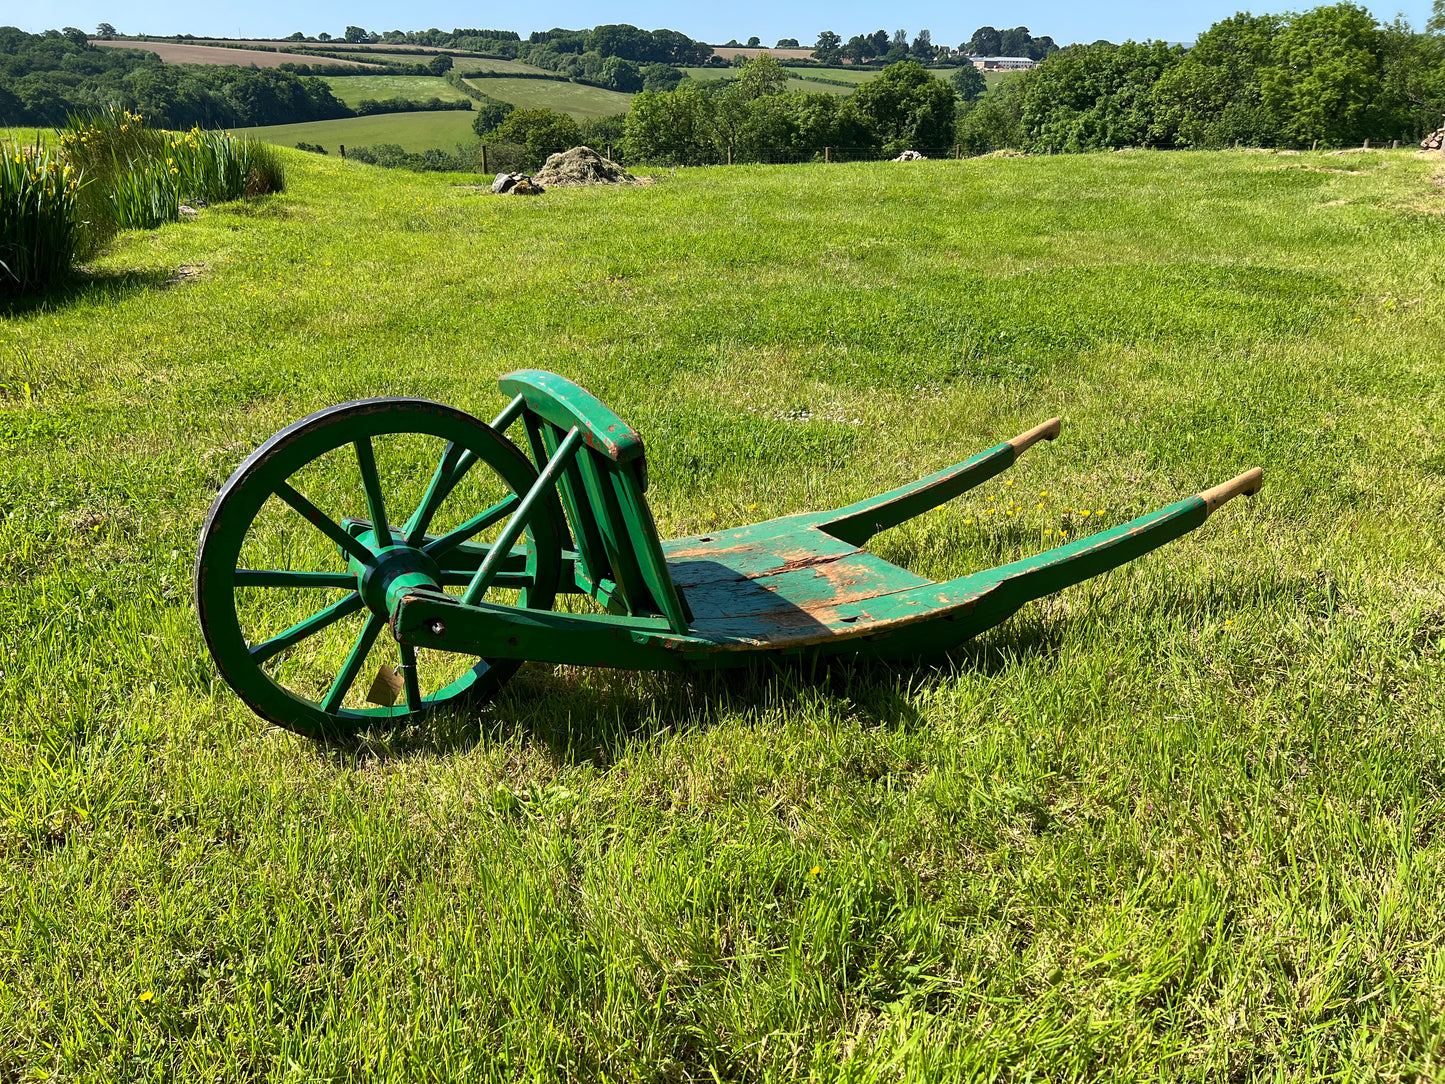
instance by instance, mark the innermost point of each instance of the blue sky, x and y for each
(950, 23)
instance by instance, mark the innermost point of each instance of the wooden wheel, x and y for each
(298, 557)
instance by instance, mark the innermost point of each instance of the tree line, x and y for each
(1330, 76)
(45, 78)
(880, 47)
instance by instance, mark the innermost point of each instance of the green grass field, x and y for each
(1179, 823)
(577, 99)
(466, 64)
(352, 89)
(413, 131)
(809, 78)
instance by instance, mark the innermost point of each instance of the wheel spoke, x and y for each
(275, 577)
(444, 479)
(480, 522)
(492, 565)
(325, 524)
(409, 679)
(337, 693)
(375, 506)
(302, 629)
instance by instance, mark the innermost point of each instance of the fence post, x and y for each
(343, 152)
(730, 154)
(827, 154)
(1315, 145)
(484, 158)
(1367, 144)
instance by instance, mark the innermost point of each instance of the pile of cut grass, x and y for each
(1181, 822)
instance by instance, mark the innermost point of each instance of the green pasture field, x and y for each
(1182, 822)
(413, 131)
(352, 89)
(577, 99)
(466, 64)
(800, 77)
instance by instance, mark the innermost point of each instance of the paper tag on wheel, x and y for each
(385, 687)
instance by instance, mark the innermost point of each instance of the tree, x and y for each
(761, 76)
(986, 41)
(829, 46)
(106, 31)
(968, 82)
(1325, 81)
(922, 46)
(907, 109)
(787, 43)
(661, 77)
(490, 114)
(541, 131)
(439, 64)
(1436, 25)
(1089, 97)
(622, 75)
(1015, 42)
(1213, 96)
(356, 35)
(297, 36)
(675, 128)
(620, 39)
(75, 36)
(323, 36)
(754, 42)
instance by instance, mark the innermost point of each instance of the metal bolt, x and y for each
(438, 629)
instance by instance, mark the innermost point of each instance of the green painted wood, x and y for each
(531, 503)
(218, 579)
(647, 547)
(565, 405)
(900, 617)
(427, 619)
(592, 566)
(856, 523)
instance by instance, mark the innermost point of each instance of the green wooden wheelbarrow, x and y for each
(465, 587)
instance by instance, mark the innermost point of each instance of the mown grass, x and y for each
(1182, 822)
(577, 99)
(412, 131)
(353, 89)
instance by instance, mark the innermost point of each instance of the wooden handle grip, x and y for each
(1248, 483)
(1045, 431)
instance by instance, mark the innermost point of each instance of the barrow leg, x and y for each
(856, 523)
(1001, 591)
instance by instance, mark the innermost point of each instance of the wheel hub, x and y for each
(399, 568)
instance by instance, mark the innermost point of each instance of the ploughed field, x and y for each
(1182, 821)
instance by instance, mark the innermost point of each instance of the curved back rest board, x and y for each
(602, 494)
(565, 404)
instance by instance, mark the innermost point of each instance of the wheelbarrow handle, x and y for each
(1043, 431)
(1248, 483)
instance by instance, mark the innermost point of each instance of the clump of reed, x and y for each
(42, 227)
(110, 171)
(143, 174)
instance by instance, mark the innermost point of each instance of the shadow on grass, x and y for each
(592, 716)
(89, 286)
